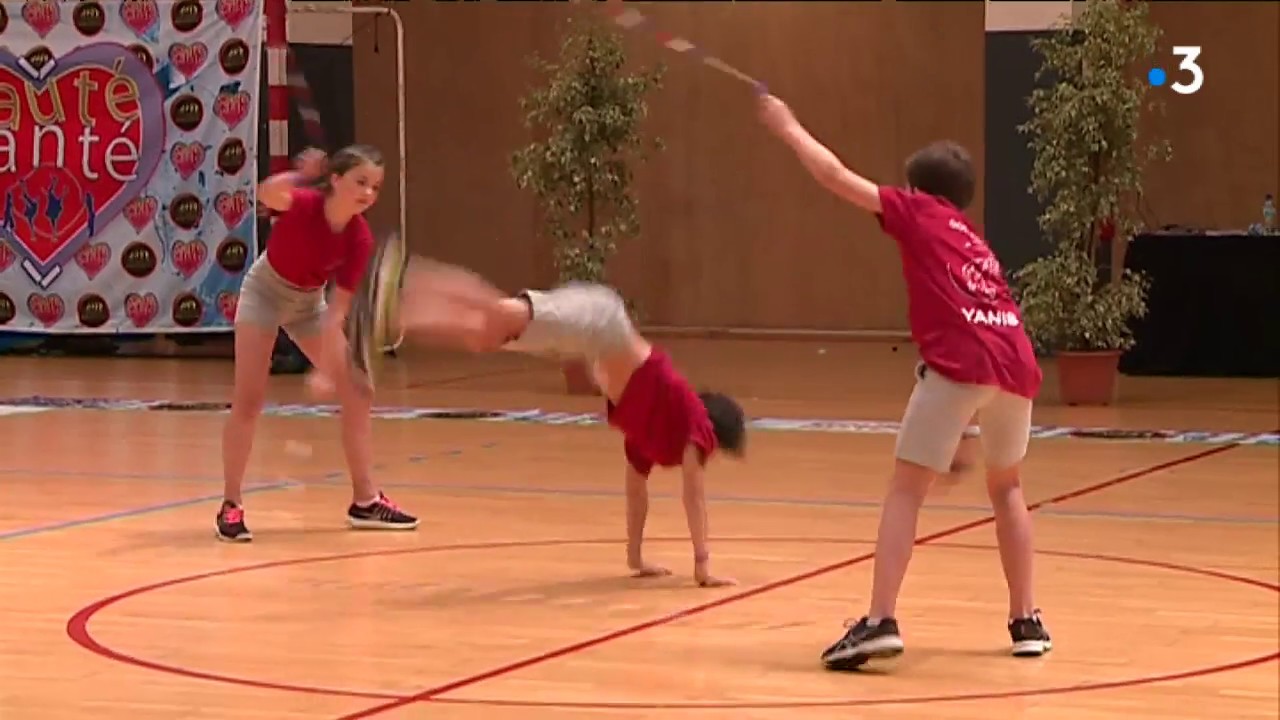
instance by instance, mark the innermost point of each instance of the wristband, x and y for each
(971, 432)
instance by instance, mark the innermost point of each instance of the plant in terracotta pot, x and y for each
(587, 119)
(1089, 156)
(1082, 319)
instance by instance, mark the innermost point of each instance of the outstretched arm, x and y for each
(695, 509)
(821, 163)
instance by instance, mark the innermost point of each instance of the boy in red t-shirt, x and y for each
(976, 360)
(664, 422)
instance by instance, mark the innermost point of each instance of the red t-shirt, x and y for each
(305, 251)
(660, 415)
(962, 315)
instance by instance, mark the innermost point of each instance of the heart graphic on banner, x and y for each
(6, 256)
(188, 58)
(232, 207)
(189, 256)
(234, 12)
(47, 309)
(92, 257)
(186, 157)
(141, 309)
(108, 108)
(41, 16)
(140, 16)
(231, 107)
(141, 211)
(227, 304)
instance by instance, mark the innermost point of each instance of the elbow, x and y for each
(830, 175)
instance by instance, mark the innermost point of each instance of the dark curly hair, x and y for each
(727, 421)
(943, 169)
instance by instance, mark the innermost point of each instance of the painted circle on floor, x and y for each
(78, 629)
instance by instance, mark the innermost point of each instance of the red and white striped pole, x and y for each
(277, 44)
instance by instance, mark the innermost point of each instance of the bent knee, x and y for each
(912, 478)
(1003, 479)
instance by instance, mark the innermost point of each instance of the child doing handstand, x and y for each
(663, 421)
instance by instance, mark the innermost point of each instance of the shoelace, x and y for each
(385, 501)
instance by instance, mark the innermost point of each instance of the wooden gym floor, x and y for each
(1158, 560)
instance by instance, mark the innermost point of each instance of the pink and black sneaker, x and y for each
(231, 527)
(381, 514)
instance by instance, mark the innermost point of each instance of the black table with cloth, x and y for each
(1213, 307)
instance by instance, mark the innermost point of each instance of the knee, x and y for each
(912, 480)
(1001, 481)
(246, 405)
(354, 396)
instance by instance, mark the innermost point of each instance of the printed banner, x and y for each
(128, 163)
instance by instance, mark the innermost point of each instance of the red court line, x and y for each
(78, 631)
(598, 640)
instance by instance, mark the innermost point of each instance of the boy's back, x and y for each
(962, 315)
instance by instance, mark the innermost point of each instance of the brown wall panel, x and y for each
(1226, 137)
(735, 233)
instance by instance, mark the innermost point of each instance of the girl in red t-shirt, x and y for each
(320, 236)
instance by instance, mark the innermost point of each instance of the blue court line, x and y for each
(832, 503)
(133, 512)
(334, 479)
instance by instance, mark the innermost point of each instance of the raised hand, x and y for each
(775, 114)
(312, 163)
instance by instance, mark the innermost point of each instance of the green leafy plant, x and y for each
(586, 118)
(1089, 158)
(1066, 307)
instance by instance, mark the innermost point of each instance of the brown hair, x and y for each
(347, 159)
(943, 169)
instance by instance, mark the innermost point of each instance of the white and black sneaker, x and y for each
(865, 644)
(1030, 639)
(381, 514)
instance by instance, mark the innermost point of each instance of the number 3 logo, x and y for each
(1188, 53)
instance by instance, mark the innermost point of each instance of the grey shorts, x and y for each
(269, 301)
(579, 319)
(939, 411)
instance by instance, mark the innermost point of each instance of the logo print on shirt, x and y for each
(981, 276)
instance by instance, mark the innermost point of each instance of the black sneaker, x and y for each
(864, 643)
(1030, 639)
(381, 515)
(231, 527)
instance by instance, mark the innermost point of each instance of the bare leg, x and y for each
(357, 426)
(897, 535)
(253, 347)
(1014, 535)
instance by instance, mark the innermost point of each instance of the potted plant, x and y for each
(1082, 319)
(1078, 301)
(586, 118)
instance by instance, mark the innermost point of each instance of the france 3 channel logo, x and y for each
(1187, 67)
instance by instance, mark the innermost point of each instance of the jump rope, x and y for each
(629, 18)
